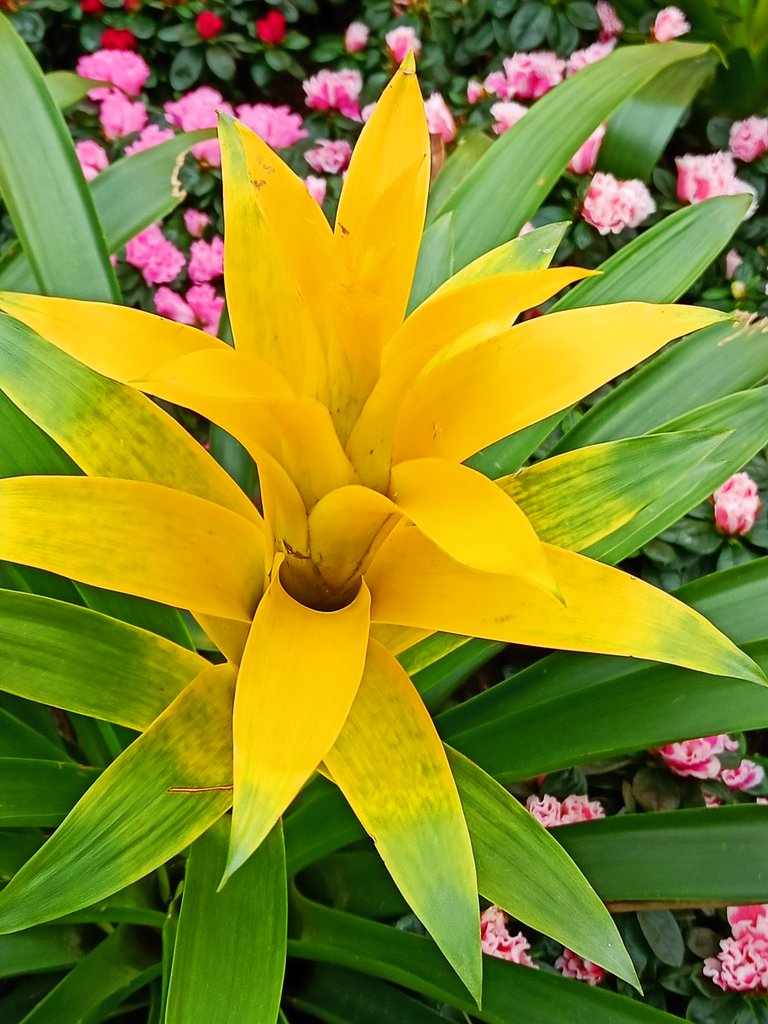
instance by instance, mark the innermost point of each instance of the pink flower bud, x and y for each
(356, 37)
(733, 261)
(195, 221)
(737, 505)
(316, 187)
(93, 158)
(439, 118)
(402, 39)
(749, 139)
(585, 158)
(610, 23)
(669, 24)
(475, 91)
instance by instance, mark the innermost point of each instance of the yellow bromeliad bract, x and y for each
(374, 532)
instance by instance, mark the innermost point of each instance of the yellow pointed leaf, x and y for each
(217, 373)
(297, 680)
(391, 766)
(270, 316)
(119, 342)
(397, 639)
(458, 406)
(414, 584)
(229, 635)
(470, 518)
(135, 537)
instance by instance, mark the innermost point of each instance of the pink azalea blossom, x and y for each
(93, 158)
(332, 157)
(526, 76)
(752, 918)
(475, 91)
(279, 127)
(206, 260)
(611, 205)
(402, 39)
(696, 758)
(335, 90)
(366, 112)
(439, 118)
(119, 117)
(201, 308)
(507, 114)
(571, 965)
(737, 505)
(170, 304)
(150, 137)
(199, 109)
(746, 776)
(585, 157)
(158, 259)
(713, 174)
(316, 187)
(195, 221)
(550, 812)
(589, 55)
(496, 940)
(741, 965)
(356, 37)
(121, 68)
(669, 24)
(545, 809)
(748, 139)
(610, 23)
(733, 261)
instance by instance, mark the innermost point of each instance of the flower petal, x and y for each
(465, 402)
(470, 518)
(391, 766)
(298, 677)
(414, 584)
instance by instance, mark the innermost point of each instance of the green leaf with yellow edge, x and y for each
(48, 200)
(532, 251)
(37, 793)
(390, 764)
(120, 965)
(217, 928)
(435, 262)
(471, 145)
(49, 647)
(545, 890)
(144, 809)
(566, 116)
(126, 535)
(560, 495)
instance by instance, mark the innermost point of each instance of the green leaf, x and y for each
(642, 126)
(221, 62)
(346, 997)
(663, 935)
(39, 793)
(79, 660)
(67, 88)
(565, 117)
(138, 822)
(435, 263)
(186, 68)
(529, 25)
(50, 948)
(48, 200)
(18, 739)
(470, 146)
(577, 499)
(546, 890)
(215, 929)
(119, 966)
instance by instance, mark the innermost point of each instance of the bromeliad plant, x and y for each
(374, 535)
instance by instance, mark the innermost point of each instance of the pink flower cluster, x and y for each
(122, 69)
(149, 137)
(497, 941)
(279, 127)
(335, 90)
(158, 259)
(698, 759)
(611, 205)
(748, 139)
(571, 965)
(329, 157)
(206, 260)
(93, 158)
(713, 174)
(742, 963)
(199, 109)
(737, 505)
(526, 76)
(201, 307)
(551, 812)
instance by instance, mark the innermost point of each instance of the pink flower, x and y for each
(366, 112)
(701, 177)
(150, 137)
(589, 55)
(611, 205)
(749, 139)
(751, 919)
(279, 127)
(93, 158)
(206, 260)
(669, 24)
(507, 114)
(335, 90)
(202, 307)
(526, 76)
(159, 261)
(316, 187)
(585, 157)
(356, 37)
(741, 965)
(118, 116)
(330, 157)
(195, 221)
(402, 39)
(737, 505)
(696, 758)
(198, 109)
(610, 23)
(710, 800)
(439, 118)
(475, 91)
(746, 776)
(170, 304)
(128, 71)
(271, 28)
(208, 24)
(733, 261)
(571, 965)
(550, 813)
(496, 940)
(545, 809)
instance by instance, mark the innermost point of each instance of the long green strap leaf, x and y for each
(47, 197)
(339, 996)
(216, 928)
(52, 947)
(39, 793)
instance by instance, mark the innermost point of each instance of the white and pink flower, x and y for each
(737, 505)
(335, 90)
(669, 24)
(439, 118)
(330, 157)
(571, 965)
(742, 963)
(316, 187)
(526, 76)
(551, 812)
(589, 55)
(506, 113)
(475, 91)
(748, 139)
(400, 40)
(356, 37)
(585, 157)
(747, 775)
(611, 205)
(497, 941)
(696, 758)
(611, 24)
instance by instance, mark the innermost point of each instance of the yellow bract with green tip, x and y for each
(359, 421)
